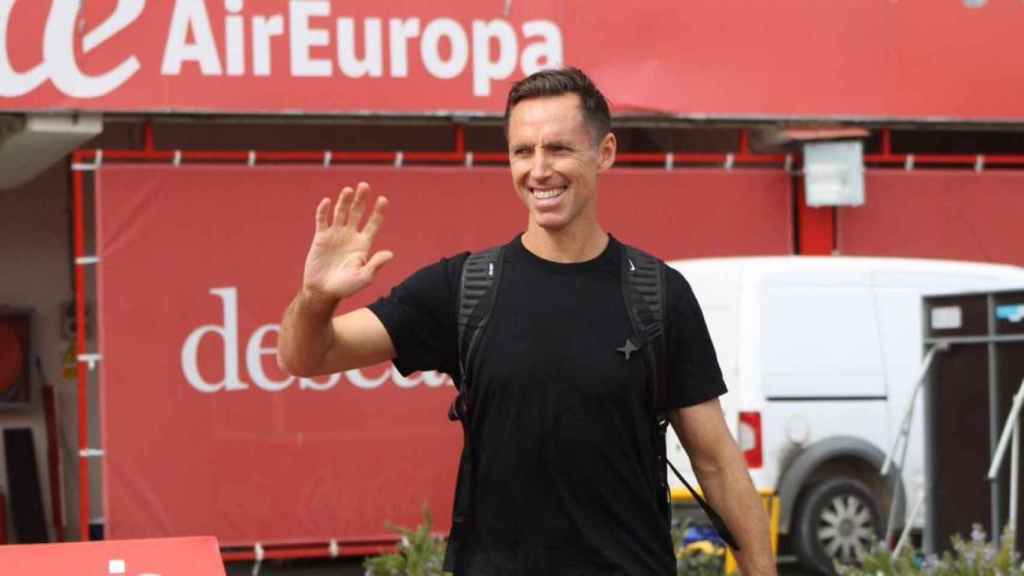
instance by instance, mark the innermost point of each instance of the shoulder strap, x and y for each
(643, 287)
(478, 287)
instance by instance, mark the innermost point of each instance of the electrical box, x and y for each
(834, 173)
(15, 356)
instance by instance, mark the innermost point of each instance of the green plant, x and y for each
(974, 557)
(419, 553)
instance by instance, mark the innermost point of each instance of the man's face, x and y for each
(555, 161)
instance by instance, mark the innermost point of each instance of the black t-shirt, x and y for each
(560, 429)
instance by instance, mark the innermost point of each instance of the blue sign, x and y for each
(1010, 313)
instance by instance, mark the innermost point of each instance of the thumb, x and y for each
(377, 260)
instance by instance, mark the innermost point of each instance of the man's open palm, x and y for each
(339, 263)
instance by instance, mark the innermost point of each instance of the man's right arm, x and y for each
(312, 340)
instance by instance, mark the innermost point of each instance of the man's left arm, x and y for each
(722, 473)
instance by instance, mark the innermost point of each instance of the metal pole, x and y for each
(908, 414)
(910, 523)
(903, 436)
(993, 415)
(1014, 475)
(1004, 439)
(78, 207)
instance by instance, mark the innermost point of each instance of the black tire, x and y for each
(836, 521)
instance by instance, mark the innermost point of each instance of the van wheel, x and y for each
(837, 521)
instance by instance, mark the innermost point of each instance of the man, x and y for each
(559, 428)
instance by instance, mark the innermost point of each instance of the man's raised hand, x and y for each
(339, 263)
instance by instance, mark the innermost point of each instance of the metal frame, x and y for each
(990, 340)
(88, 160)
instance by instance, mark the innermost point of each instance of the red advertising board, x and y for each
(952, 214)
(916, 59)
(204, 434)
(194, 556)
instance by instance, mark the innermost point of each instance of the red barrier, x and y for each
(203, 433)
(951, 214)
(169, 556)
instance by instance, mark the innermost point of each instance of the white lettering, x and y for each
(355, 376)
(303, 37)
(229, 334)
(485, 68)
(430, 48)
(59, 50)
(254, 353)
(403, 382)
(263, 29)
(124, 14)
(13, 83)
(547, 53)
(445, 46)
(434, 379)
(373, 61)
(190, 16)
(310, 384)
(234, 38)
(399, 32)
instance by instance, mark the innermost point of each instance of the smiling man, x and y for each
(561, 471)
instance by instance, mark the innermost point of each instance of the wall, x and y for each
(34, 273)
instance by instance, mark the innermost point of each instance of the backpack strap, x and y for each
(644, 288)
(478, 287)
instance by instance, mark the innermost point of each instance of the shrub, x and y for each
(419, 553)
(975, 557)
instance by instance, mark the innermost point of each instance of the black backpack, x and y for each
(643, 289)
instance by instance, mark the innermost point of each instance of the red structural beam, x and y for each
(83, 397)
(332, 157)
(815, 227)
(944, 159)
(311, 550)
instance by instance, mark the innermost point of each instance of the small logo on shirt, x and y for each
(628, 348)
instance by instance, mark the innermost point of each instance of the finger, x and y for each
(376, 218)
(377, 260)
(321, 214)
(356, 215)
(341, 208)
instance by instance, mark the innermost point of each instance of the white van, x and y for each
(820, 355)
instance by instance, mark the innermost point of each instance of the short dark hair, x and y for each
(568, 80)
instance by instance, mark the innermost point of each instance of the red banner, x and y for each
(204, 434)
(952, 214)
(917, 59)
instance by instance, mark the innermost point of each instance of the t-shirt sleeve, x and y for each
(419, 315)
(694, 373)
